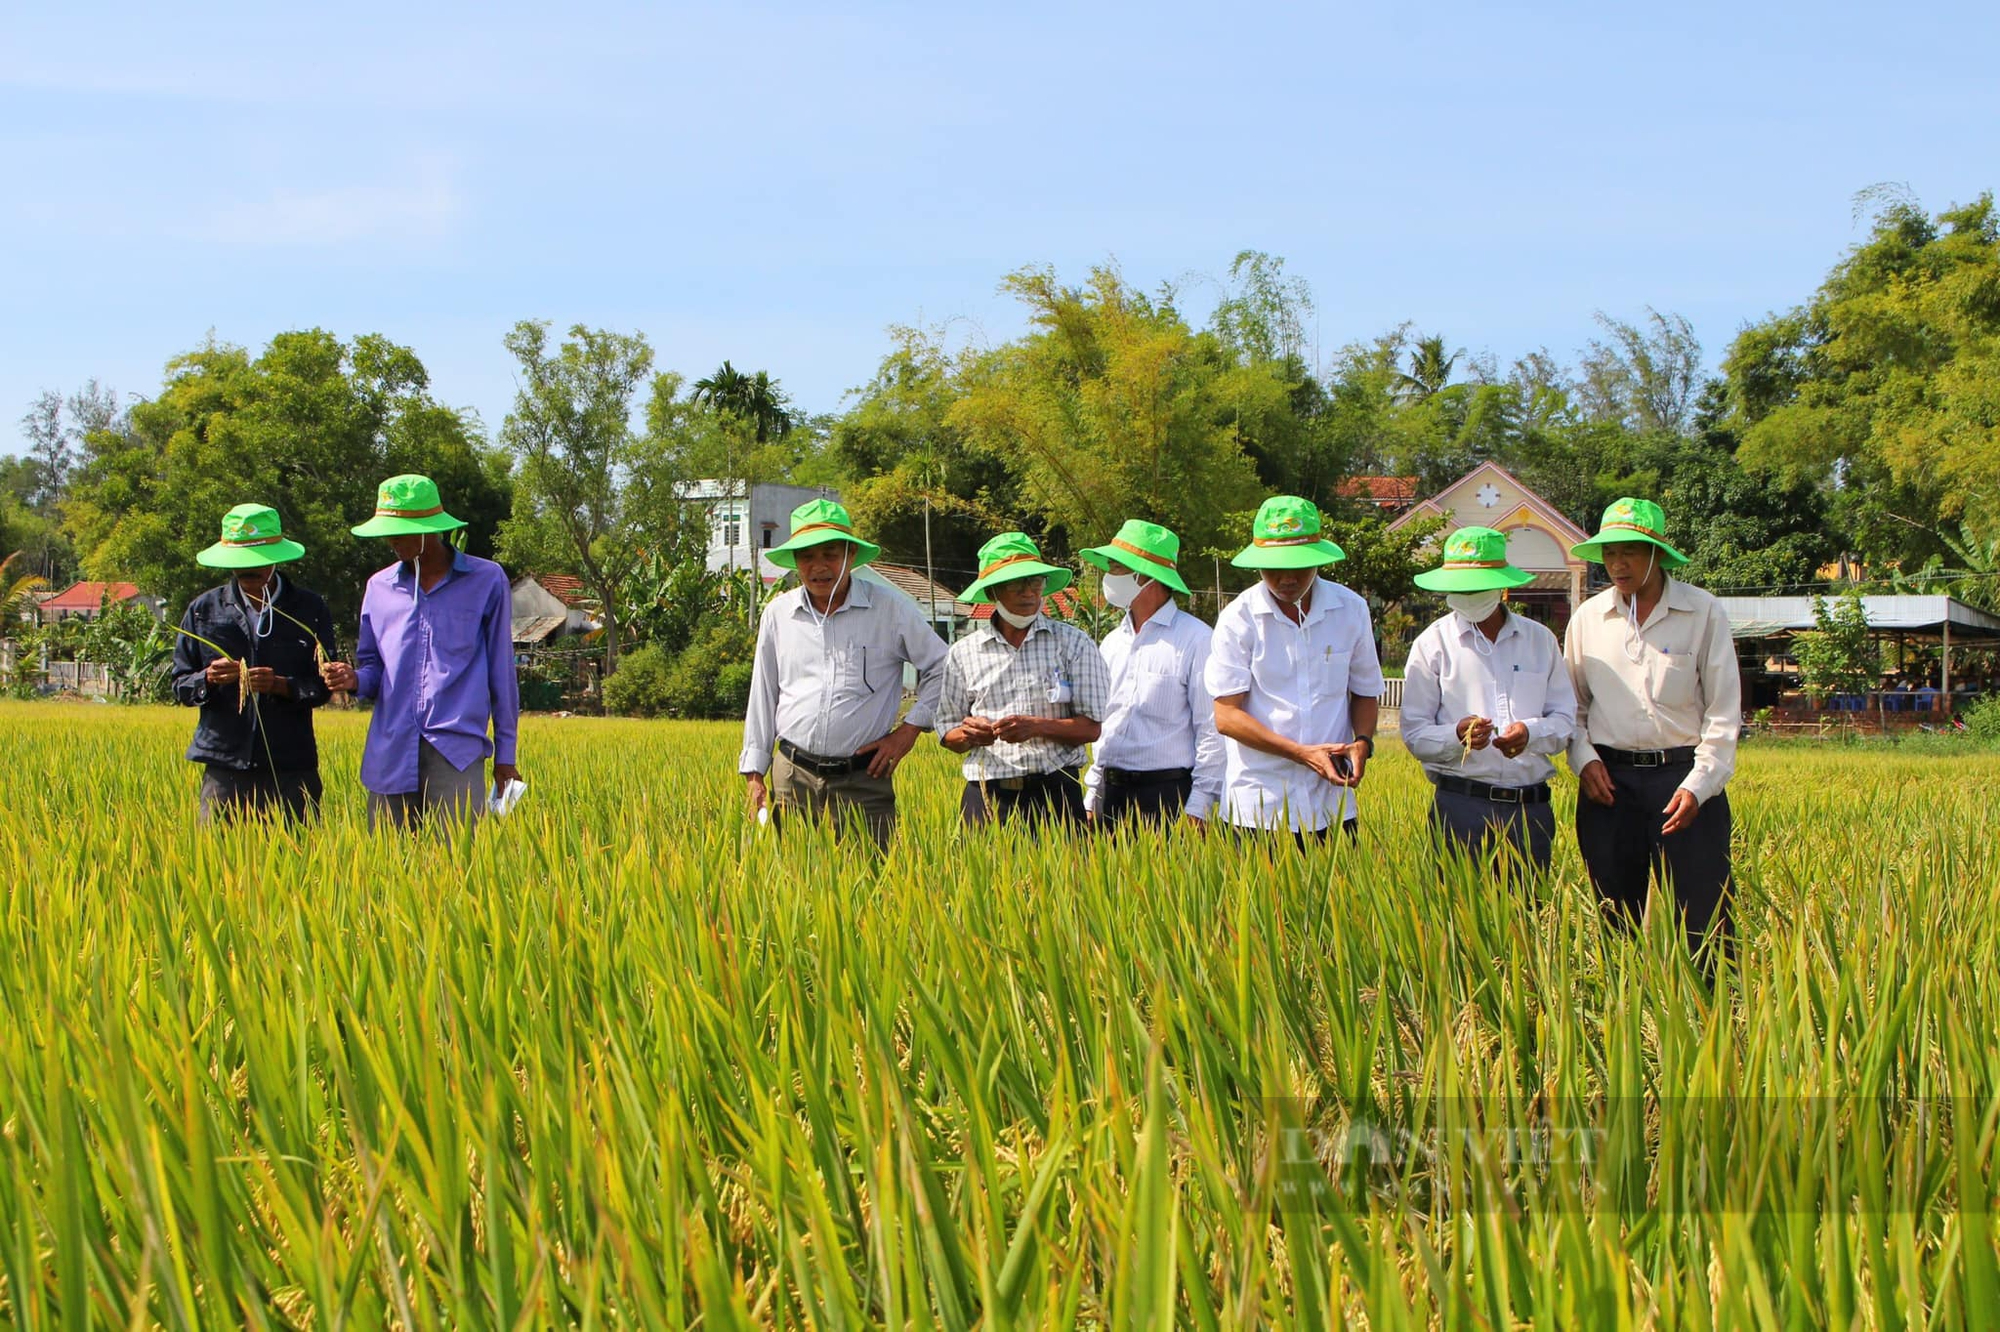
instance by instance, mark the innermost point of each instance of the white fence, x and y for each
(72, 677)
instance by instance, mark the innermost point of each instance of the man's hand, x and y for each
(339, 677)
(1681, 812)
(221, 671)
(264, 680)
(1357, 760)
(1595, 783)
(1320, 759)
(1512, 741)
(972, 733)
(1475, 731)
(886, 753)
(756, 795)
(1017, 728)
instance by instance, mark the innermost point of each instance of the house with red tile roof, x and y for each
(86, 601)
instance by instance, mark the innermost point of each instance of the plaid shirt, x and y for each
(986, 676)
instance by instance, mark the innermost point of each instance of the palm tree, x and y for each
(1430, 369)
(754, 399)
(17, 598)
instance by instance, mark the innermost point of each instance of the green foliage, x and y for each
(1839, 657)
(1382, 563)
(1982, 719)
(1112, 409)
(311, 426)
(1887, 382)
(708, 680)
(591, 495)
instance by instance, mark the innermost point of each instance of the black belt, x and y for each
(1147, 776)
(1033, 781)
(820, 766)
(1645, 758)
(1538, 794)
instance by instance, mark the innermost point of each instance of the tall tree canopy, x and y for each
(311, 425)
(1886, 384)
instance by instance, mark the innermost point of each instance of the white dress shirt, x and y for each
(1056, 673)
(1454, 672)
(831, 684)
(1297, 678)
(1672, 684)
(1161, 713)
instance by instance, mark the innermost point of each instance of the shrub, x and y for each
(638, 688)
(1982, 719)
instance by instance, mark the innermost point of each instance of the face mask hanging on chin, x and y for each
(1008, 617)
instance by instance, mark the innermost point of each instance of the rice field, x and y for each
(627, 1060)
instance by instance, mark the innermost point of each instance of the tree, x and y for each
(754, 399)
(1885, 387)
(591, 495)
(1839, 657)
(1646, 379)
(1114, 409)
(1430, 369)
(310, 426)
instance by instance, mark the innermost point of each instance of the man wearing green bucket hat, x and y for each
(828, 680)
(1023, 694)
(1296, 680)
(436, 653)
(1158, 755)
(1659, 708)
(1486, 703)
(247, 655)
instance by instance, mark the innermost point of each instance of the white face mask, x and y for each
(1121, 589)
(1016, 621)
(1474, 606)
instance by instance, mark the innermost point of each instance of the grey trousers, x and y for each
(797, 791)
(441, 789)
(227, 793)
(1474, 825)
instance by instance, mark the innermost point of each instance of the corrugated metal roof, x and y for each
(1767, 617)
(540, 628)
(912, 584)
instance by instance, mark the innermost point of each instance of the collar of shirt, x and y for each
(858, 596)
(1678, 597)
(1321, 598)
(405, 576)
(1163, 618)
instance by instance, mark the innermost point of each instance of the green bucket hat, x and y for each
(252, 537)
(1286, 536)
(1475, 560)
(815, 523)
(406, 506)
(1144, 548)
(1630, 519)
(1010, 556)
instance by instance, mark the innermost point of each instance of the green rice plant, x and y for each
(627, 1059)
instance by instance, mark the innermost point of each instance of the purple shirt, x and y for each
(439, 665)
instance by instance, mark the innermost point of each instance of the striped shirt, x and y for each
(1056, 673)
(1161, 715)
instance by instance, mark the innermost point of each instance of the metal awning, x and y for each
(1917, 617)
(540, 629)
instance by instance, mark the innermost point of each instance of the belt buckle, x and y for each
(1503, 795)
(1649, 758)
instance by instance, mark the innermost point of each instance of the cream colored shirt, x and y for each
(1673, 683)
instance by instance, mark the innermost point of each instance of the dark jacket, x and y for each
(232, 738)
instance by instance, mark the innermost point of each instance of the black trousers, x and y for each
(1157, 800)
(229, 792)
(1476, 825)
(1623, 848)
(1052, 797)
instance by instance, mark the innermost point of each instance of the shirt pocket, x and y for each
(878, 669)
(1673, 678)
(1522, 695)
(1157, 691)
(1327, 668)
(455, 631)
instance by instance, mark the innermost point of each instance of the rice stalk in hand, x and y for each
(242, 667)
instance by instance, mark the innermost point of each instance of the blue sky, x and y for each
(777, 184)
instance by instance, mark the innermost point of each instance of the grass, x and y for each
(626, 1059)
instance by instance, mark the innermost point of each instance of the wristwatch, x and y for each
(1369, 740)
